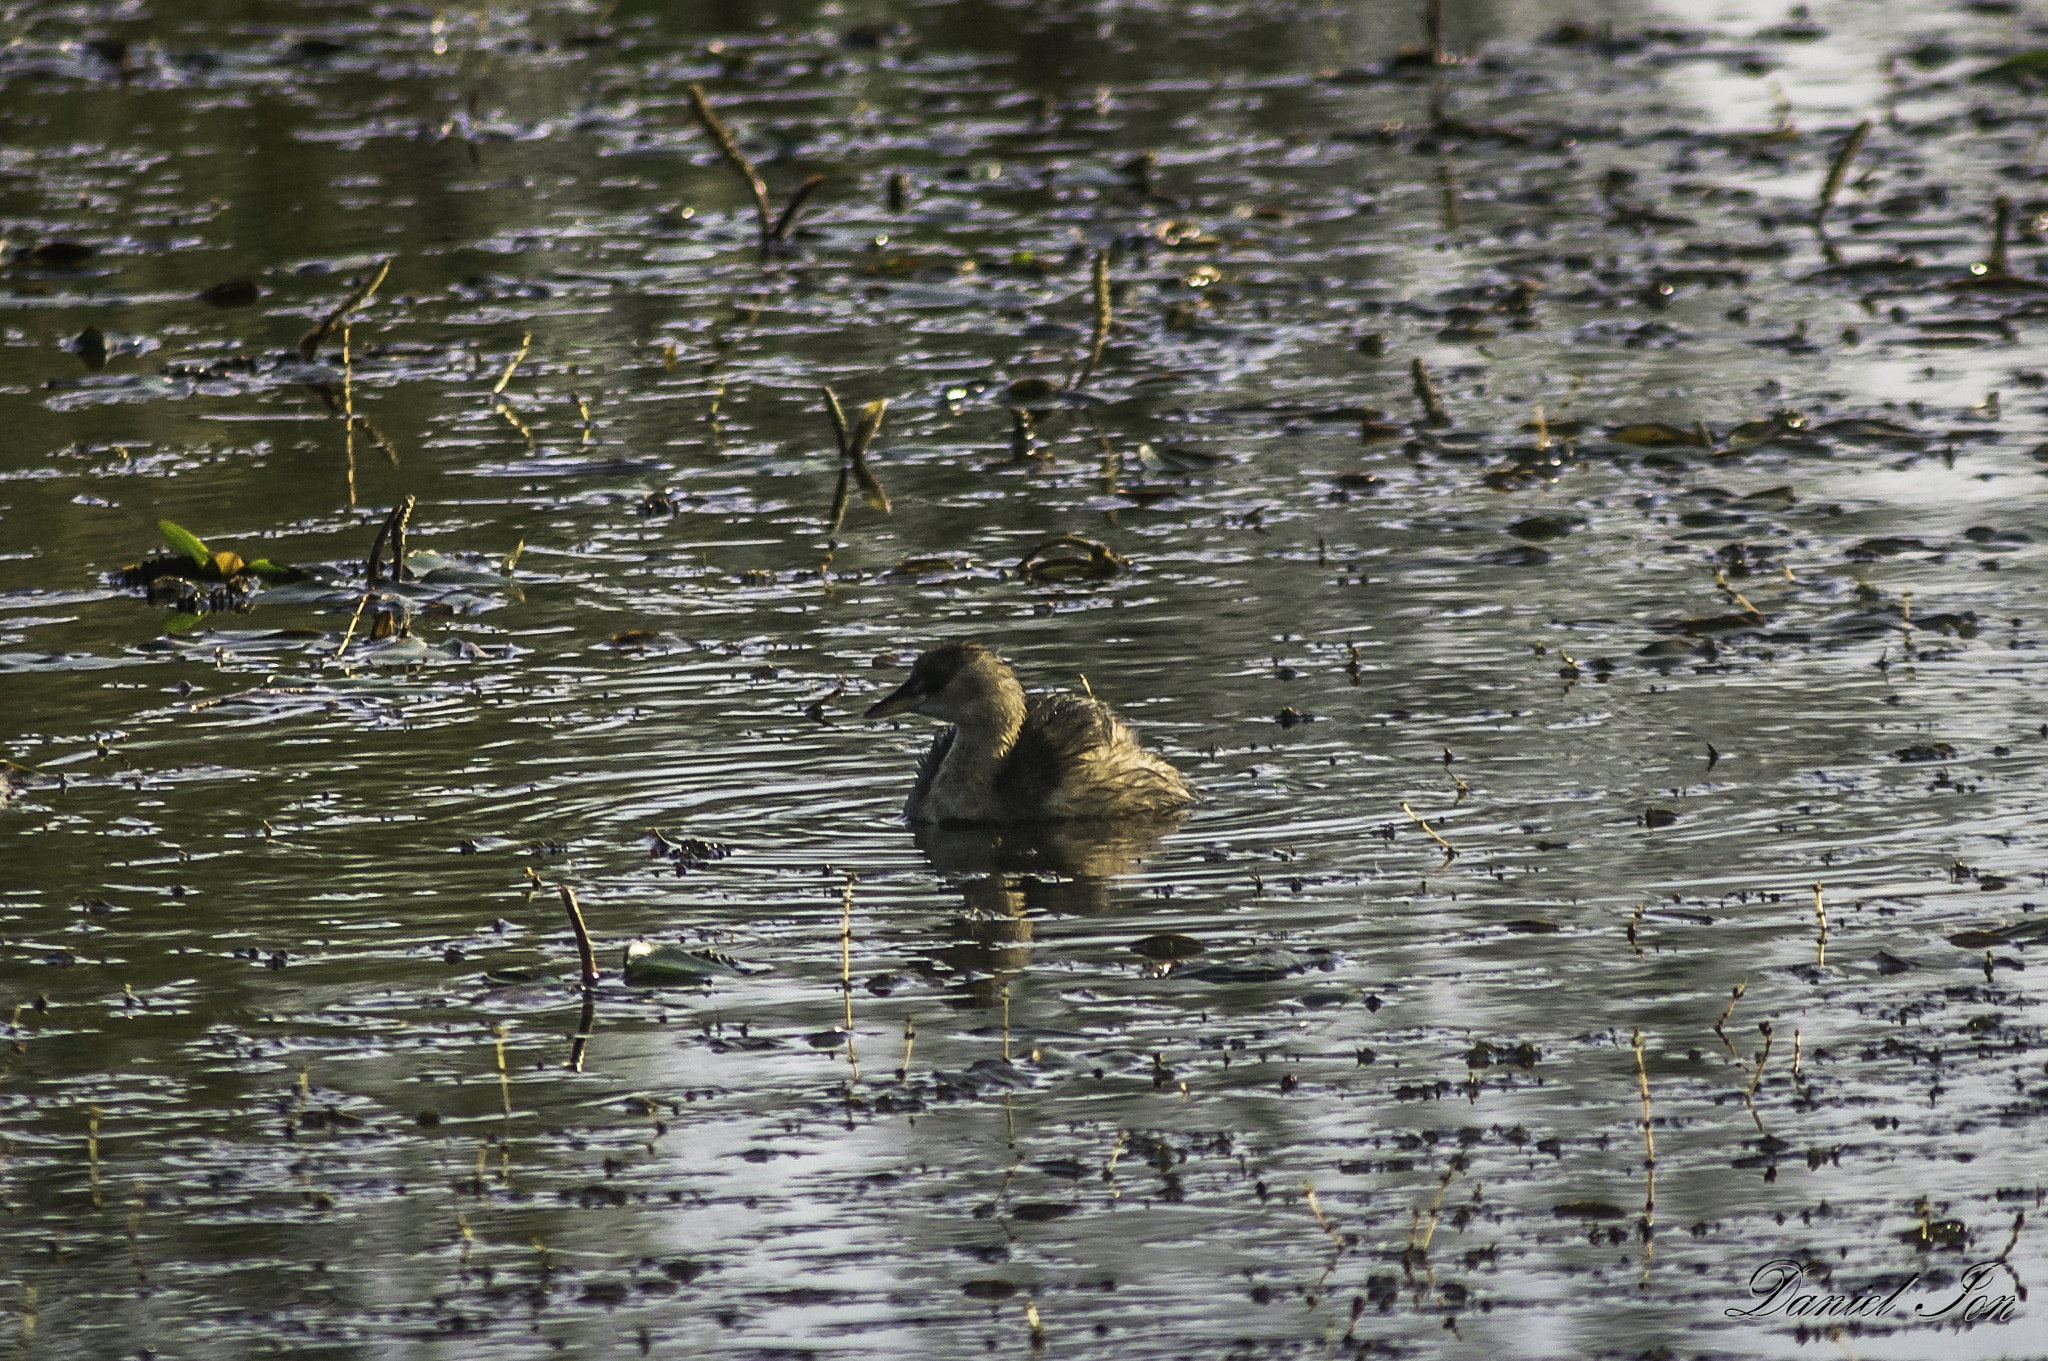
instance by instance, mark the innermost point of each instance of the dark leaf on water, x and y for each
(1025, 391)
(1540, 528)
(1531, 926)
(1926, 751)
(1719, 623)
(1100, 562)
(1872, 549)
(2023, 70)
(61, 254)
(988, 1290)
(925, 567)
(2034, 928)
(90, 345)
(1588, 1209)
(1888, 963)
(1939, 1233)
(1521, 555)
(1039, 1211)
(1653, 434)
(1168, 945)
(233, 293)
(1870, 432)
(1658, 817)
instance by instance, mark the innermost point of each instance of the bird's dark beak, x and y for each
(899, 701)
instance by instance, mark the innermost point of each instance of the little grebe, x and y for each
(1012, 757)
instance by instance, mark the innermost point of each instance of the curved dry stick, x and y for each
(309, 343)
(1838, 170)
(1102, 319)
(786, 224)
(585, 953)
(741, 166)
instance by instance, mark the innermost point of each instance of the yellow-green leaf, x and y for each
(185, 542)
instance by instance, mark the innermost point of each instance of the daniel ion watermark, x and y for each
(1784, 1288)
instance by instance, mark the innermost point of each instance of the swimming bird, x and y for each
(1012, 757)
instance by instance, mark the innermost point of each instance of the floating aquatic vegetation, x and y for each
(1070, 557)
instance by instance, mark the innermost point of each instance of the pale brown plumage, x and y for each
(1010, 757)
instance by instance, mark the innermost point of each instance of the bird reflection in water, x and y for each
(1007, 877)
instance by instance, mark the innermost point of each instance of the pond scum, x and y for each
(1566, 488)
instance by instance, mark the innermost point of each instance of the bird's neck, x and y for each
(983, 738)
(988, 732)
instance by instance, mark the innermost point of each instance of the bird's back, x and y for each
(1075, 759)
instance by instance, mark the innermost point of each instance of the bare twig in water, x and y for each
(525, 344)
(1721, 580)
(1820, 912)
(1425, 392)
(309, 343)
(909, 1043)
(1649, 1147)
(584, 953)
(394, 525)
(1102, 320)
(1838, 170)
(857, 453)
(1457, 1165)
(741, 166)
(1734, 996)
(846, 974)
(786, 224)
(839, 494)
(1756, 1078)
(1448, 847)
(1308, 1189)
(838, 416)
(853, 461)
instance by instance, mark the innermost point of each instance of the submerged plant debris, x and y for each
(1566, 486)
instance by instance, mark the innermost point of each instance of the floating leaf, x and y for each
(2023, 70)
(1169, 945)
(90, 345)
(1101, 562)
(1871, 549)
(269, 571)
(1538, 528)
(185, 542)
(1024, 391)
(233, 293)
(61, 254)
(1653, 434)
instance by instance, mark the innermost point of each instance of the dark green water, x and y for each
(261, 858)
